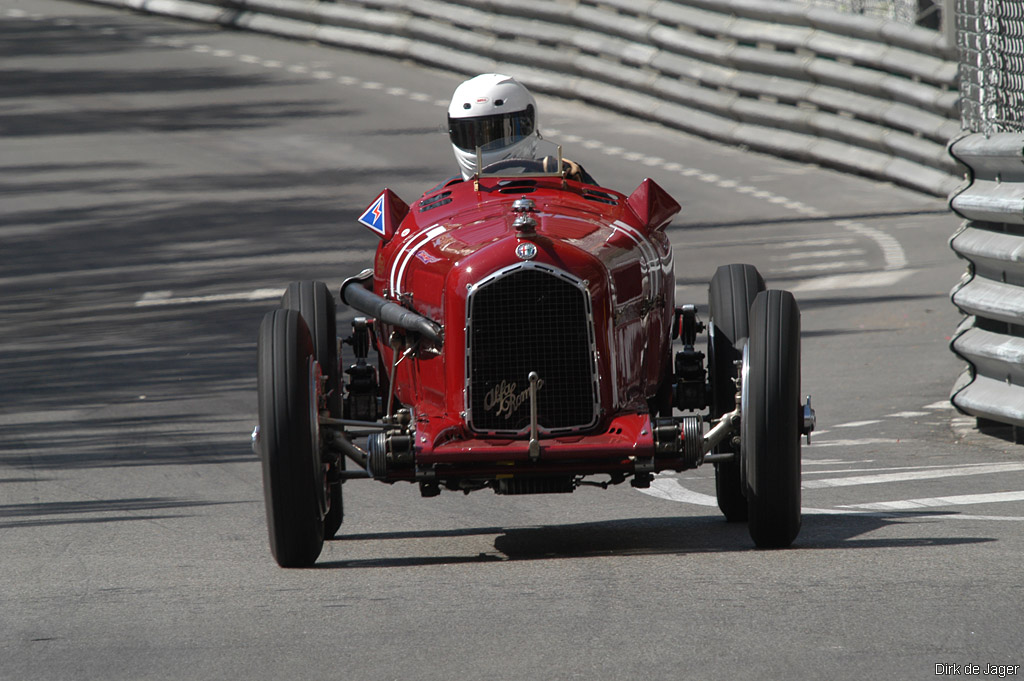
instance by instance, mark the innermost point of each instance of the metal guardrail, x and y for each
(991, 240)
(851, 92)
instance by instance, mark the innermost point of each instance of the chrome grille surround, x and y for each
(530, 317)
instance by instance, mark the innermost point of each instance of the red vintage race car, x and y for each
(519, 332)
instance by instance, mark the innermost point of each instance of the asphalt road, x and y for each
(162, 182)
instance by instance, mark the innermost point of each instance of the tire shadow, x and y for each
(652, 536)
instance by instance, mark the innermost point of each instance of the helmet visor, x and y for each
(491, 132)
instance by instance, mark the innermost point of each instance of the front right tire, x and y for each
(771, 418)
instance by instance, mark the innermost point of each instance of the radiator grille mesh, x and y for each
(528, 319)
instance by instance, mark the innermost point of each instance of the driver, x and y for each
(499, 115)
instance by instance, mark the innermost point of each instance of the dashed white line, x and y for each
(162, 298)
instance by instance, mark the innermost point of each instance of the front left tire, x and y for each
(314, 301)
(293, 483)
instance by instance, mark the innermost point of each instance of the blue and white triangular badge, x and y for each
(375, 217)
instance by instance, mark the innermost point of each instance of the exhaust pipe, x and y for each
(355, 295)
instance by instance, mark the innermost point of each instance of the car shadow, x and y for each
(652, 536)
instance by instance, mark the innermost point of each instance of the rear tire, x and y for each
(292, 470)
(771, 417)
(730, 295)
(314, 301)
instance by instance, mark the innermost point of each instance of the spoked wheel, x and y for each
(770, 419)
(293, 475)
(315, 303)
(730, 295)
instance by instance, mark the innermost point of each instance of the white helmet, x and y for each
(495, 113)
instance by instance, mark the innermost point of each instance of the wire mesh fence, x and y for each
(990, 35)
(927, 13)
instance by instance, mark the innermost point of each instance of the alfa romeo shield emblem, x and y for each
(526, 250)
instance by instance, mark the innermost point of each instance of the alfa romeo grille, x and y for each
(530, 317)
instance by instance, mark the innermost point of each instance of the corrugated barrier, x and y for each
(851, 92)
(991, 293)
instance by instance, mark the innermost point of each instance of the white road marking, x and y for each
(854, 443)
(907, 414)
(803, 255)
(833, 462)
(670, 489)
(821, 267)
(851, 281)
(812, 243)
(933, 515)
(836, 462)
(945, 404)
(952, 472)
(892, 251)
(161, 298)
(931, 502)
(857, 424)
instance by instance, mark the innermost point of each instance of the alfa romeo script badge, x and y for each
(526, 250)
